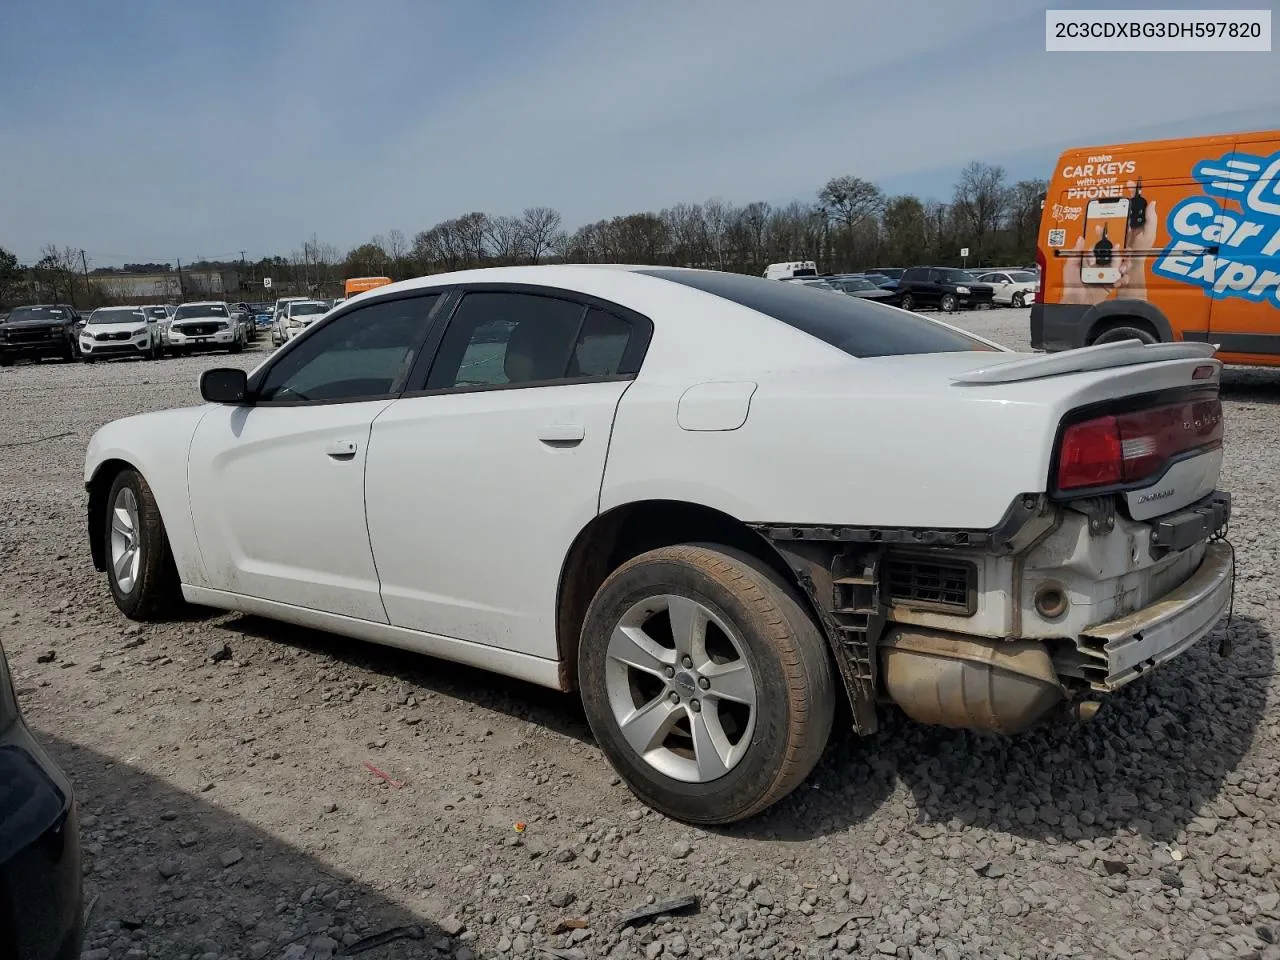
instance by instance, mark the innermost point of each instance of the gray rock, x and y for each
(677, 946)
(229, 858)
(561, 898)
(762, 897)
(681, 849)
(451, 926)
(831, 924)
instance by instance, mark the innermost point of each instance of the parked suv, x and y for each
(947, 288)
(40, 330)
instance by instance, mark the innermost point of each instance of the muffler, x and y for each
(971, 683)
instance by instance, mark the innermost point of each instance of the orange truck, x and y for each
(361, 284)
(1163, 241)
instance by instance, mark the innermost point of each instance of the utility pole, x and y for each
(88, 290)
(182, 294)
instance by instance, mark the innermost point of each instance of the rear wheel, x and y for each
(6, 360)
(907, 302)
(948, 303)
(1019, 300)
(1116, 334)
(140, 568)
(705, 682)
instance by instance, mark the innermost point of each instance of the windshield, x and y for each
(857, 283)
(856, 325)
(117, 315)
(24, 314)
(1023, 276)
(159, 313)
(306, 309)
(189, 310)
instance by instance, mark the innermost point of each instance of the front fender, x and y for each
(158, 446)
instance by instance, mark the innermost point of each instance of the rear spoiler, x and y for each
(1120, 353)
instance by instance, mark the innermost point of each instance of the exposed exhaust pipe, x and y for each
(972, 683)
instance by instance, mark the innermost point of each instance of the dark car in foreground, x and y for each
(41, 892)
(39, 330)
(947, 288)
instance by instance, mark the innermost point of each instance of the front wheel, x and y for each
(948, 303)
(140, 568)
(706, 683)
(907, 302)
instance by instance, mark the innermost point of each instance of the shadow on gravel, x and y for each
(1251, 385)
(522, 701)
(1155, 757)
(134, 828)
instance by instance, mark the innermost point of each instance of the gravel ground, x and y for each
(229, 811)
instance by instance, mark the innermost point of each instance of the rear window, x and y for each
(859, 327)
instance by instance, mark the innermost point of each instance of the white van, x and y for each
(785, 271)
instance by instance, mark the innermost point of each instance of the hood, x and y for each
(39, 322)
(204, 318)
(136, 326)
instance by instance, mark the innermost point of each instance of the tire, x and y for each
(948, 303)
(1019, 300)
(151, 590)
(6, 360)
(1116, 334)
(788, 673)
(237, 346)
(88, 359)
(907, 302)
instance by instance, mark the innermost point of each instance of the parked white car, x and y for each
(121, 332)
(206, 325)
(297, 315)
(714, 504)
(277, 311)
(1012, 288)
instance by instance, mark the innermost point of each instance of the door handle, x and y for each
(341, 449)
(562, 434)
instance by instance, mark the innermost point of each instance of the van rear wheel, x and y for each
(1116, 334)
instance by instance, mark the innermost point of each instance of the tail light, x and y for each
(1127, 448)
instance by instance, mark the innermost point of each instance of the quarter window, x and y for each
(365, 354)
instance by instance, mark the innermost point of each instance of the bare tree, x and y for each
(540, 226)
(980, 202)
(507, 240)
(855, 205)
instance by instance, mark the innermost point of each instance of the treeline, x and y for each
(851, 224)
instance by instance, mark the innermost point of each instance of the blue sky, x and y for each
(143, 130)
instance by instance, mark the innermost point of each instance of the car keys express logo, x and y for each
(1247, 261)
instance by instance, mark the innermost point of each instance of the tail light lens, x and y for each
(1127, 448)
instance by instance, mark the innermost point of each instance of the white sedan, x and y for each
(1012, 288)
(716, 505)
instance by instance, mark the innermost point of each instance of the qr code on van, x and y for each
(1057, 238)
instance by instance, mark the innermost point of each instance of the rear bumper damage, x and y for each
(1166, 586)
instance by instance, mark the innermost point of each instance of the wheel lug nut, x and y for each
(671, 672)
(675, 697)
(695, 706)
(704, 683)
(687, 661)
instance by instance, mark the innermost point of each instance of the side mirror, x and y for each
(224, 385)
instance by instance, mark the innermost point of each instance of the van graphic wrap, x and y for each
(1164, 240)
(1248, 242)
